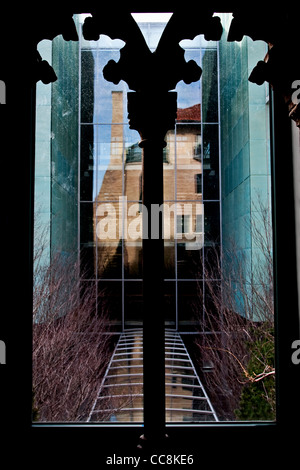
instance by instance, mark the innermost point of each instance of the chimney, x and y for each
(116, 147)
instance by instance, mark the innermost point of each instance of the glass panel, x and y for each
(189, 262)
(169, 167)
(88, 160)
(190, 239)
(212, 316)
(209, 85)
(169, 256)
(109, 167)
(210, 162)
(87, 86)
(169, 213)
(188, 161)
(189, 304)
(170, 304)
(133, 304)
(211, 223)
(88, 261)
(189, 96)
(96, 92)
(133, 228)
(109, 299)
(63, 126)
(108, 233)
(87, 241)
(133, 165)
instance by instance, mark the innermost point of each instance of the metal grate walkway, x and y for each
(120, 396)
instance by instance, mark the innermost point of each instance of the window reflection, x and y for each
(111, 170)
(133, 291)
(189, 161)
(108, 241)
(89, 181)
(210, 100)
(87, 162)
(211, 175)
(110, 299)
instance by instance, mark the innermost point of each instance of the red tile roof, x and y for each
(193, 113)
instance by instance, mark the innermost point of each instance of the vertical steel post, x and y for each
(153, 313)
(152, 111)
(153, 115)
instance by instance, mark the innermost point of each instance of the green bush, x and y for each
(258, 397)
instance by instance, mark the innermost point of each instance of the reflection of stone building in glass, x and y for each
(88, 189)
(89, 161)
(122, 219)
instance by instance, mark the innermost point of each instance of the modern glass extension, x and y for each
(218, 291)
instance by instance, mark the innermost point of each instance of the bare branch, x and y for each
(72, 342)
(239, 317)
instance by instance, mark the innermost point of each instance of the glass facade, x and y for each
(56, 168)
(216, 175)
(245, 148)
(111, 178)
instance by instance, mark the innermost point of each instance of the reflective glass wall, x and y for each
(88, 170)
(111, 184)
(218, 284)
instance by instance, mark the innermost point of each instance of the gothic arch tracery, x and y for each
(280, 67)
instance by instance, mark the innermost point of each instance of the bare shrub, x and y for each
(237, 329)
(71, 342)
